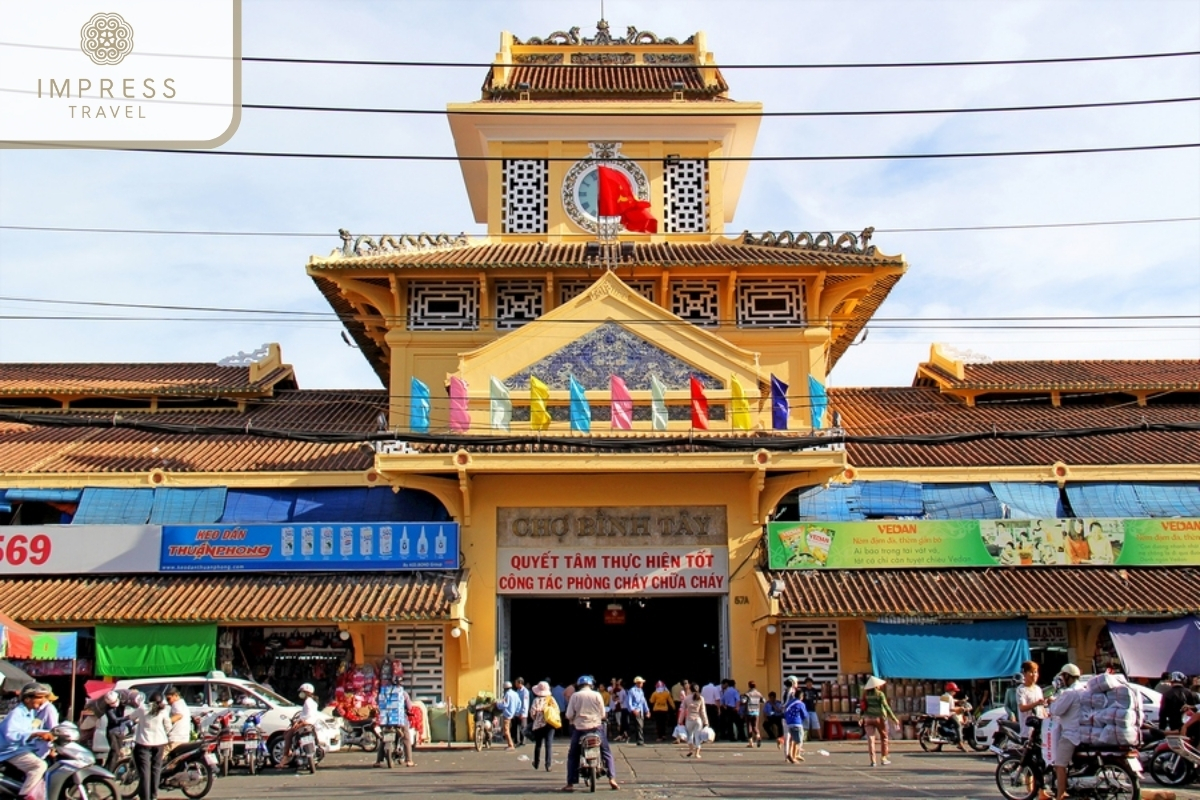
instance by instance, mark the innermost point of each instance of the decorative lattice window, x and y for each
(569, 290)
(809, 650)
(519, 302)
(526, 196)
(770, 304)
(696, 301)
(443, 306)
(686, 201)
(421, 650)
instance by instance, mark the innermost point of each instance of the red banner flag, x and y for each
(699, 405)
(617, 199)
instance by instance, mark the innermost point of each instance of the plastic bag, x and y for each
(680, 733)
(708, 735)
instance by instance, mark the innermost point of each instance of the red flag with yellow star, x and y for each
(617, 199)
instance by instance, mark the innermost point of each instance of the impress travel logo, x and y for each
(74, 75)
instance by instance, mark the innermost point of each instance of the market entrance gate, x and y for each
(658, 638)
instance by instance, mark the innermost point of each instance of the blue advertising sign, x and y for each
(316, 547)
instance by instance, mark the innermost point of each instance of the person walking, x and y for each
(510, 707)
(638, 709)
(795, 714)
(152, 720)
(522, 719)
(731, 718)
(661, 706)
(544, 718)
(754, 705)
(685, 694)
(876, 716)
(616, 712)
(695, 720)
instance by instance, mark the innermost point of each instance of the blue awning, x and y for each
(258, 505)
(1169, 499)
(991, 649)
(187, 506)
(831, 503)
(1030, 500)
(367, 505)
(42, 495)
(1105, 500)
(889, 499)
(960, 501)
(114, 507)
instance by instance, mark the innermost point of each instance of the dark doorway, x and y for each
(667, 638)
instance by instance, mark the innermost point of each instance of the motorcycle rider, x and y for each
(1065, 710)
(956, 710)
(394, 706)
(19, 726)
(180, 731)
(309, 715)
(1173, 701)
(585, 712)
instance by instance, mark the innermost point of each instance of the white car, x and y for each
(205, 694)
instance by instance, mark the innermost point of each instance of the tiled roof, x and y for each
(1001, 592)
(924, 411)
(1075, 375)
(196, 379)
(376, 356)
(606, 81)
(45, 449)
(723, 252)
(226, 598)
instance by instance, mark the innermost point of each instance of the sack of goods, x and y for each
(680, 734)
(1111, 713)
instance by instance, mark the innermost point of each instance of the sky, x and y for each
(955, 279)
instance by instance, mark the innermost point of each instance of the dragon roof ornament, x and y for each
(859, 244)
(400, 243)
(603, 37)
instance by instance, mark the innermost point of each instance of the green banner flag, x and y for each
(880, 544)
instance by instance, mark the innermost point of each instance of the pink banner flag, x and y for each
(622, 404)
(460, 419)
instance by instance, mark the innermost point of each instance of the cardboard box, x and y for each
(935, 706)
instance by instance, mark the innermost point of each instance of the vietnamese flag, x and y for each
(699, 405)
(617, 199)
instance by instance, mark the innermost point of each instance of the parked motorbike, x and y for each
(935, 732)
(254, 742)
(190, 768)
(591, 765)
(1174, 762)
(360, 733)
(72, 773)
(485, 725)
(1102, 773)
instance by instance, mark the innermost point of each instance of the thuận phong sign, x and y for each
(612, 571)
(882, 544)
(316, 547)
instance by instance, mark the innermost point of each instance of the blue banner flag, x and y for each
(779, 404)
(581, 412)
(817, 402)
(418, 409)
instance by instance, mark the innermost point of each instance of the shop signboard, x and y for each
(316, 547)
(79, 550)
(882, 544)
(1047, 633)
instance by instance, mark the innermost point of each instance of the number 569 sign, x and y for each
(82, 549)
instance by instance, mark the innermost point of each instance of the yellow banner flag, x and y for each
(539, 415)
(741, 406)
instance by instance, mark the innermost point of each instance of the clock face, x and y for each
(588, 192)
(581, 189)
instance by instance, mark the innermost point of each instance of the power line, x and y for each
(590, 236)
(719, 113)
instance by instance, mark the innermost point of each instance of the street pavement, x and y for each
(654, 772)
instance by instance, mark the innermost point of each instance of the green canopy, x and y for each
(141, 651)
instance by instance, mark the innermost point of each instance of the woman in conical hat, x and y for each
(876, 713)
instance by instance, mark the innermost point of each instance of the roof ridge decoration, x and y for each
(846, 243)
(400, 243)
(243, 359)
(602, 38)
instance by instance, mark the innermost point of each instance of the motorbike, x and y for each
(72, 773)
(254, 742)
(327, 738)
(306, 753)
(934, 732)
(485, 725)
(1174, 762)
(1102, 773)
(190, 768)
(591, 764)
(360, 733)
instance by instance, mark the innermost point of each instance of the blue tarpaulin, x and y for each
(114, 507)
(936, 652)
(890, 499)
(187, 506)
(258, 505)
(960, 501)
(367, 505)
(1105, 500)
(1148, 649)
(42, 495)
(1169, 499)
(832, 503)
(1030, 500)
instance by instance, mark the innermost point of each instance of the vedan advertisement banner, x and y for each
(316, 547)
(983, 543)
(613, 571)
(79, 550)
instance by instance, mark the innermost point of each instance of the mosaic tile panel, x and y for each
(610, 349)
(519, 303)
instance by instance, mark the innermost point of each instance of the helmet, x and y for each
(112, 699)
(586, 680)
(66, 732)
(307, 688)
(35, 689)
(952, 687)
(1178, 677)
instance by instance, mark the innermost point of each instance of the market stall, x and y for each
(18, 642)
